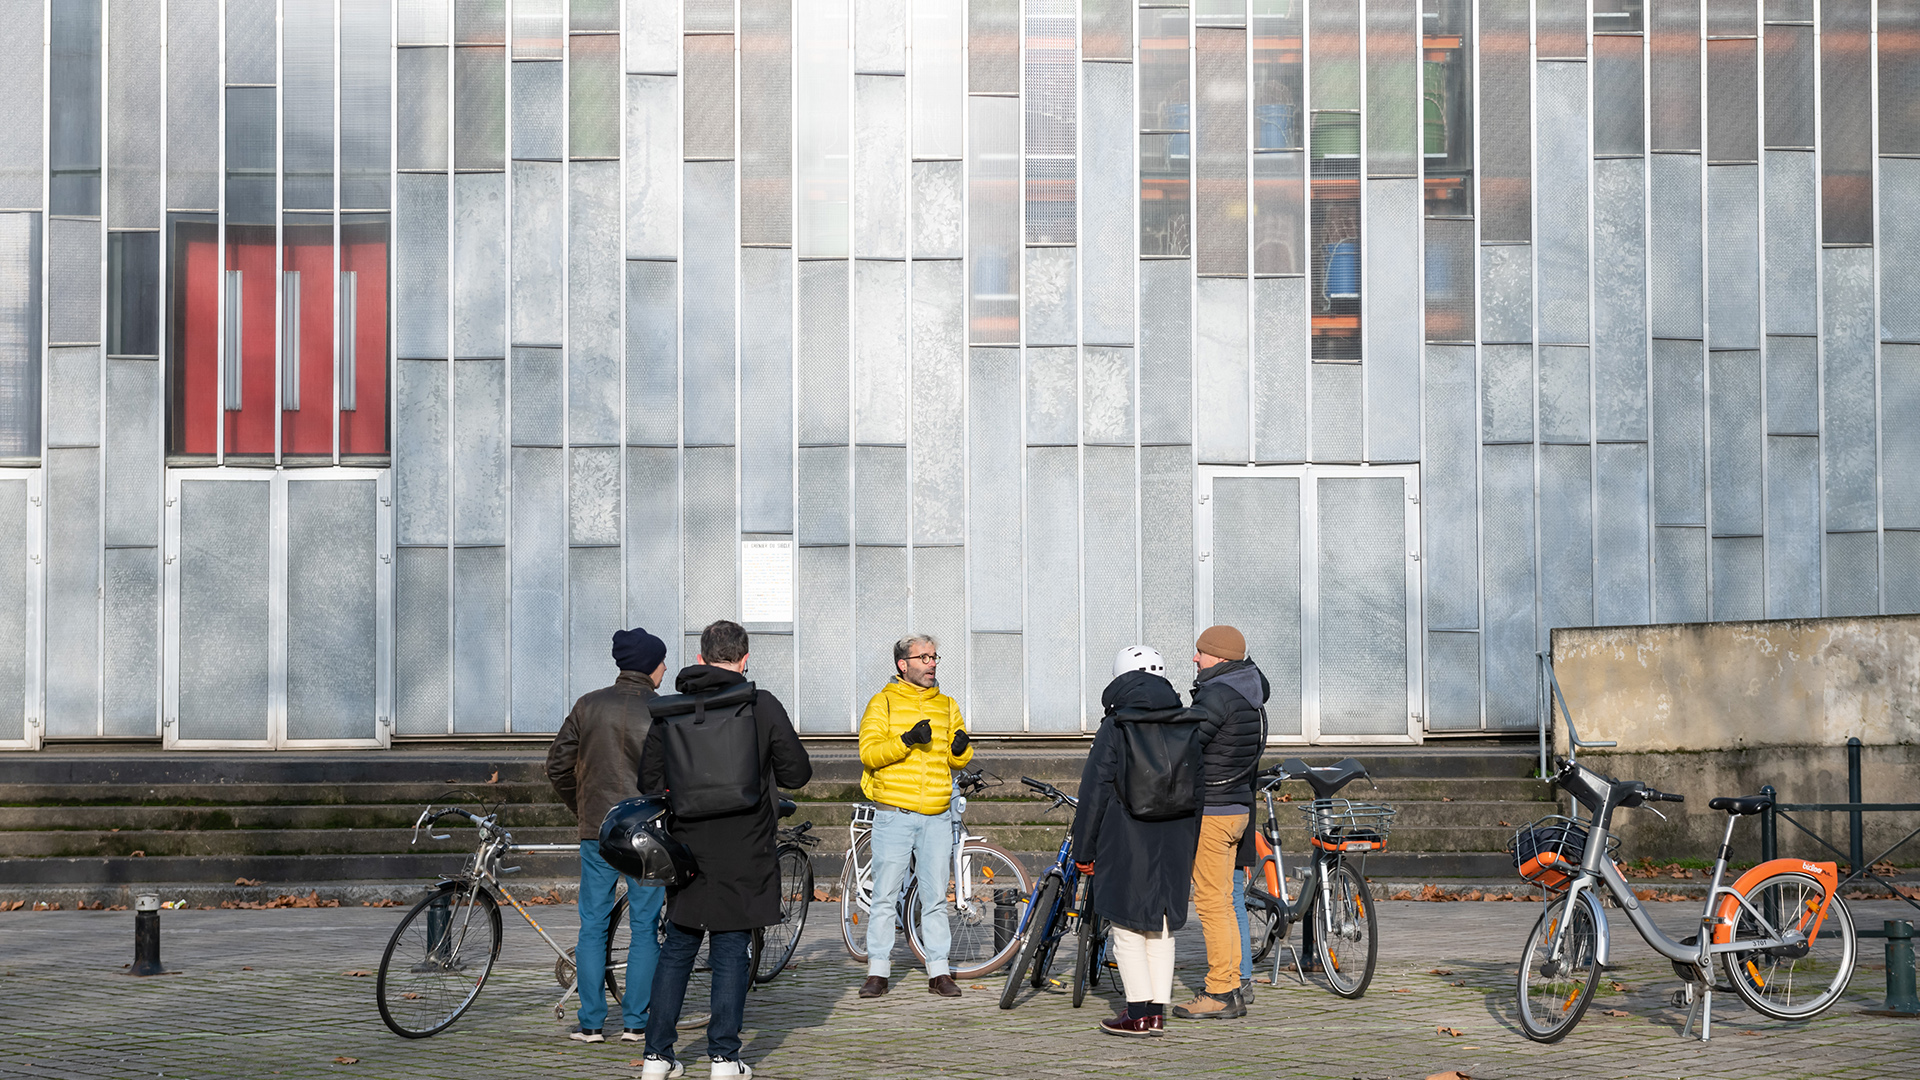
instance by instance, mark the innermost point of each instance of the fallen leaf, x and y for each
(1446, 798)
(247, 881)
(638, 1061)
(137, 855)
(1440, 971)
(356, 973)
(345, 1060)
(1402, 991)
(1469, 1048)
(1615, 1012)
(1620, 988)
(1458, 982)
(1755, 1034)
(976, 986)
(1452, 1033)
(1451, 1074)
(411, 996)
(246, 969)
(495, 778)
(1508, 824)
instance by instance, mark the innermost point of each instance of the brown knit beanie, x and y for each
(1224, 642)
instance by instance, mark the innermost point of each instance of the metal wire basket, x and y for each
(1346, 825)
(1549, 851)
(863, 815)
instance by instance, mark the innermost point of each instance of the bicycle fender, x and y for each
(1602, 933)
(1827, 873)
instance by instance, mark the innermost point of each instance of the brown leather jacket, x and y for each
(594, 761)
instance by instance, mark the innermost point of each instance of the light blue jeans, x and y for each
(1240, 878)
(598, 884)
(902, 838)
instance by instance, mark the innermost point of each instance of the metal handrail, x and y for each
(1549, 692)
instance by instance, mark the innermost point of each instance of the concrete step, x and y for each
(253, 816)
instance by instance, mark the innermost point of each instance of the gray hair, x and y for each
(904, 647)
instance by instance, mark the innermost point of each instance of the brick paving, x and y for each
(67, 1012)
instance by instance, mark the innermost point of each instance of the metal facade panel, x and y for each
(1166, 548)
(538, 564)
(593, 496)
(420, 465)
(1790, 93)
(21, 163)
(880, 352)
(1448, 279)
(653, 42)
(73, 281)
(880, 495)
(593, 614)
(1166, 352)
(1510, 637)
(1506, 84)
(709, 102)
(333, 616)
(1393, 322)
(1565, 384)
(1619, 89)
(1852, 574)
(1679, 574)
(536, 397)
(17, 606)
(653, 543)
(1561, 229)
(1739, 580)
(825, 363)
(1336, 412)
(1107, 196)
(479, 107)
(1106, 383)
(1450, 495)
(1900, 442)
(423, 22)
(1220, 138)
(1733, 256)
(193, 106)
(1053, 389)
(1902, 552)
(824, 627)
(708, 362)
(421, 665)
(879, 181)
(1506, 292)
(993, 220)
(539, 27)
(1221, 374)
(1362, 606)
(1679, 433)
(1900, 249)
(938, 449)
(1280, 333)
(1051, 304)
(766, 122)
(825, 495)
(539, 252)
(709, 544)
(1674, 29)
(421, 141)
(1110, 560)
(1675, 246)
(1735, 433)
(1621, 567)
(73, 396)
(938, 61)
(539, 111)
(133, 111)
(1047, 88)
(1452, 671)
(994, 541)
(766, 392)
(480, 452)
(1620, 298)
(879, 616)
(1793, 243)
(880, 38)
(1793, 386)
(1256, 583)
(593, 95)
(653, 353)
(480, 641)
(306, 105)
(1793, 527)
(940, 609)
(133, 452)
(420, 266)
(653, 166)
(1393, 87)
(773, 666)
(1053, 589)
(1848, 399)
(479, 264)
(132, 661)
(999, 683)
(1506, 393)
(225, 546)
(594, 290)
(250, 32)
(1566, 536)
(366, 104)
(937, 209)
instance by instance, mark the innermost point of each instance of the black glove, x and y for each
(919, 734)
(960, 742)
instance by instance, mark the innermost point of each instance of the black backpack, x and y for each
(712, 751)
(1158, 771)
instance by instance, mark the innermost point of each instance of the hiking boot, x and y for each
(943, 985)
(1227, 1006)
(875, 986)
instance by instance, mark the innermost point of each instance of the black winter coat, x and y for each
(594, 761)
(1143, 870)
(1232, 695)
(737, 881)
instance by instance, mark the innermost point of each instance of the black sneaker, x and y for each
(633, 1035)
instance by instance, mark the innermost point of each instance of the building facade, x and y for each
(365, 363)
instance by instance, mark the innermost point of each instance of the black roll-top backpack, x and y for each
(1158, 774)
(712, 751)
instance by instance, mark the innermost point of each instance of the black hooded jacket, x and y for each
(1143, 870)
(1232, 695)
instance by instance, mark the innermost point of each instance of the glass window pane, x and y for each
(306, 335)
(362, 334)
(1279, 213)
(1333, 51)
(1846, 122)
(250, 155)
(73, 102)
(823, 71)
(939, 82)
(133, 294)
(1163, 70)
(1334, 215)
(1618, 16)
(1446, 106)
(193, 334)
(248, 302)
(1506, 121)
(20, 337)
(1278, 121)
(993, 219)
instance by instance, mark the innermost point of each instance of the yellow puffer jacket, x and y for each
(917, 778)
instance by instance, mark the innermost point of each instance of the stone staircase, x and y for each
(104, 819)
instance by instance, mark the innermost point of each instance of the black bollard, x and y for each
(1006, 917)
(146, 937)
(1900, 993)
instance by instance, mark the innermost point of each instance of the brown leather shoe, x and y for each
(875, 986)
(943, 985)
(1126, 1025)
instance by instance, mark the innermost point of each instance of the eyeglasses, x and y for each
(931, 658)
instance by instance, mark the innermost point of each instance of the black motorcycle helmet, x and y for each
(634, 840)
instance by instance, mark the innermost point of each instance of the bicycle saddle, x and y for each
(787, 807)
(1325, 779)
(1741, 805)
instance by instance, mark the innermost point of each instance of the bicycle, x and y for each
(1335, 907)
(773, 946)
(1053, 909)
(1765, 929)
(985, 887)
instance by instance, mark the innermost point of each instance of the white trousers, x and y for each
(1145, 962)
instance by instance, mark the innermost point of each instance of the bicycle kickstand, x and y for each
(1295, 952)
(1700, 1005)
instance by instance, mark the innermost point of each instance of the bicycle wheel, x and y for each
(1040, 926)
(1554, 993)
(1088, 946)
(1347, 944)
(773, 946)
(1264, 923)
(1794, 982)
(437, 960)
(983, 912)
(856, 895)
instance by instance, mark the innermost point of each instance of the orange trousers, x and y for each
(1213, 897)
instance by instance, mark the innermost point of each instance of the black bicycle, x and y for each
(1053, 910)
(773, 946)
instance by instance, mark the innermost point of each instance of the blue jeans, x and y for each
(902, 838)
(598, 884)
(1240, 878)
(729, 953)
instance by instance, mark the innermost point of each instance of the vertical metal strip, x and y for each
(385, 616)
(1820, 279)
(448, 179)
(280, 247)
(1593, 377)
(100, 464)
(506, 393)
(1310, 596)
(342, 309)
(1879, 417)
(1479, 303)
(1706, 315)
(1765, 340)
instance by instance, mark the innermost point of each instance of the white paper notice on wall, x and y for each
(766, 578)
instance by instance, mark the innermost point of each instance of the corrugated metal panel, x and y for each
(1793, 386)
(653, 167)
(536, 397)
(708, 364)
(1336, 412)
(1734, 422)
(653, 43)
(1621, 571)
(653, 353)
(593, 496)
(1739, 581)
(420, 270)
(879, 183)
(1506, 516)
(1679, 574)
(1848, 390)
(1221, 373)
(1793, 527)
(766, 392)
(1506, 389)
(709, 544)
(1853, 574)
(539, 244)
(1053, 589)
(1050, 301)
(766, 122)
(940, 609)
(539, 111)
(825, 495)
(939, 421)
(1362, 606)
(937, 209)
(1506, 293)
(1679, 434)
(420, 465)
(133, 642)
(16, 609)
(1106, 201)
(422, 137)
(479, 107)
(73, 396)
(709, 97)
(1564, 397)
(1452, 672)
(1110, 563)
(880, 495)
(1733, 256)
(1166, 352)
(1256, 583)
(1106, 382)
(133, 452)
(1900, 249)
(825, 367)
(479, 264)
(1676, 246)
(1053, 391)
(1900, 443)
(225, 530)
(824, 627)
(879, 616)
(1166, 548)
(1566, 536)
(1793, 244)
(479, 452)
(653, 543)
(333, 616)
(1450, 495)
(880, 352)
(994, 541)
(593, 614)
(1562, 227)
(539, 564)
(593, 302)
(1280, 335)
(1620, 299)
(1392, 370)
(993, 219)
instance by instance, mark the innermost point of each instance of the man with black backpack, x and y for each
(718, 748)
(1233, 694)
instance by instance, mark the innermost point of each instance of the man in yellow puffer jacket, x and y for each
(912, 737)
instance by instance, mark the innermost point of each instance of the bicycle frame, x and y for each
(1271, 888)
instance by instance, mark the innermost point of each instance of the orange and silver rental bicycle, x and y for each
(1781, 933)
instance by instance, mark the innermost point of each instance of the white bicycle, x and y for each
(986, 891)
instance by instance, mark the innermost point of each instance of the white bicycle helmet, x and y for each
(1139, 658)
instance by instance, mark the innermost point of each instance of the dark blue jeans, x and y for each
(730, 954)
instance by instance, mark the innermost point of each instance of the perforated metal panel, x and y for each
(593, 614)
(1564, 396)
(593, 302)
(937, 209)
(994, 542)
(1679, 434)
(708, 361)
(1506, 393)
(539, 27)
(479, 452)
(1790, 92)
(1448, 280)
(1280, 369)
(536, 397)
(653, 42)
(879, 182)
(710, 548)
(1848, 390)
(73, 280)
(1561, 236)
(539, 242)
(593, 96)
(223, 568)
(73, 396)
(1900, 443)
(1452, 672)
(21, 162)
(938, 447)
(1506, 174)
(824, 629)
(1111, 562)
(1793, 386)
(133, 452)
(593, 495)
(1336, 412)
(766, 122)
(192, 102)
(1735, 426)
(422, 133)
(420, 452)
(709, 96)
(1509, 634)
(1256, 583)
(825, 495)
(1220, 134)
(766, 392)
(333, 639)
(993, 219)
(1106, 200)
(998, 683)
(825, 364)
(1506, 293)
(879, 616)
(539, 560)
(1621, 569)
(1392, 325)
(880, 494)
(1792, 244)
(539, 104)
(479, 640)
(1674, 30)
(1051, 302)
(479, 264)
(653, 353)
(1106, 380)
(1048, 90)
(1900, 249)
(938, 59)
(1739, 582)
(1793, 527)
(1166, 548)
(1053, 589)
(1166, 352)
(1053, 380)
(653, 167)
(880, 352)
(1619, 299)
(1679, 574)
(1853, 574)
(1221, 371)
(1675, 245)
(1362, 606)
(420, 266)
(132, 660)
(1902, 552)
(481, 21)
(1566, 536)
(1619, 86)
(1733, 256)
(1733, 90)
(1449, 500)
(479, 107)
(1846, 123)
(16, 607)
(133, 111)
(653, 542)
(940, 609)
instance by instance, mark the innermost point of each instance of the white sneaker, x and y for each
(729, 1067)
(586, 1036)
(659, 1068)
(633, 1035)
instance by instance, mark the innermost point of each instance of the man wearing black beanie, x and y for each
(594, 762)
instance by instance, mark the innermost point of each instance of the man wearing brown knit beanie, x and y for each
(1233, 693)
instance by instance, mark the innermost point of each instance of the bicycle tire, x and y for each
(1565, 991)
(1040, 919)
(773, 946)
(1758, 976)
(856, 897)
(973, 951)
(1265, 924)
(1091, 936)
(1344, 921)
(439, 981)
